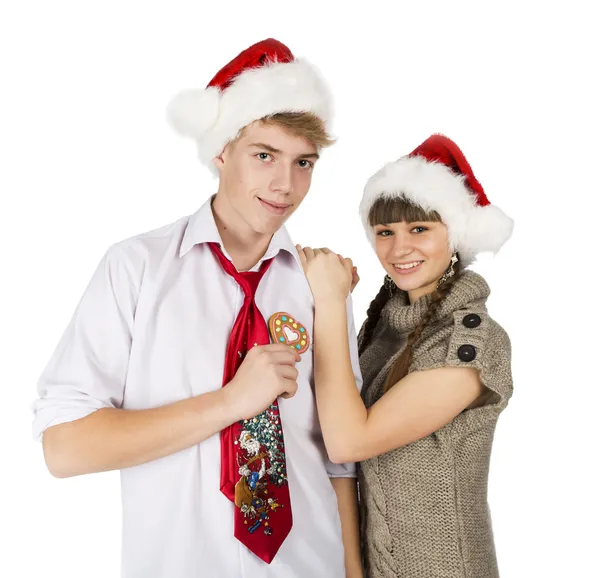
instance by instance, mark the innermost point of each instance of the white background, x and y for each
(87, 159)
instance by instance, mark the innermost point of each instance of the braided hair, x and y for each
(373, 314)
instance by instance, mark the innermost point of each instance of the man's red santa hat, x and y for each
(264, 79)
(437, 177)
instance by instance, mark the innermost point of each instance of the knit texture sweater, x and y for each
(424, 509)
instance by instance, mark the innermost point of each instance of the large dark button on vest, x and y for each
(472, 320)
(467, 353)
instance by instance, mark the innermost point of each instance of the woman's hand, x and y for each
(330, 276)
(355, 279)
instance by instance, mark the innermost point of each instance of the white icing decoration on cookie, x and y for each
(289, 334)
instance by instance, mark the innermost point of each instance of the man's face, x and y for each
(265, 175)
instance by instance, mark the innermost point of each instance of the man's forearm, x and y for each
(347, 497)
(111, 439)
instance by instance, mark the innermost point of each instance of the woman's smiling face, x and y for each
(414, 254)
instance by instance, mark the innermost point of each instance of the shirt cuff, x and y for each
(341, 470)
(50, 416)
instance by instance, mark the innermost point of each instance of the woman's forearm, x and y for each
(342, 413)
(347, 498)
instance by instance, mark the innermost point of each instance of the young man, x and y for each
(167, 373)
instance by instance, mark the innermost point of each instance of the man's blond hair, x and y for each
(302, 124)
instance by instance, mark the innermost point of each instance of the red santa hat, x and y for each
(437, 177)
(262, 80)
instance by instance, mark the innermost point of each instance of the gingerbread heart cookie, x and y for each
(286, 329)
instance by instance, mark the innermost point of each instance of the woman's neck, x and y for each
(416, 294)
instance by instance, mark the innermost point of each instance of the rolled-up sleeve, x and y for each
(348, 470)
(88, 369)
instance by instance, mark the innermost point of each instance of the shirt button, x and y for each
(471, 321)
(467, 353)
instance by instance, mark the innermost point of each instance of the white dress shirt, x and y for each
(151, 329)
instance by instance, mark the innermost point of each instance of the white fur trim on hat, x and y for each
(213, 118)
(472, 228)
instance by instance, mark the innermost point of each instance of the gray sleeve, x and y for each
(478, 341)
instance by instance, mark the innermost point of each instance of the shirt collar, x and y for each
(201, 228)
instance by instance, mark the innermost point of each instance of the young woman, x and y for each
(436, 368)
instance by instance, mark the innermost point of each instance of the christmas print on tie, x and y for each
(261, 443)
(253, 468)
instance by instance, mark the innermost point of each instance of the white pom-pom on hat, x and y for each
(193, 112)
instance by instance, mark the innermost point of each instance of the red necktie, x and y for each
(253, 470)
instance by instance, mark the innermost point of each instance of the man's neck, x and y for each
(244, 246)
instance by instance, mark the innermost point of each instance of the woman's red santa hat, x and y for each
(264, 79)
(437, 177)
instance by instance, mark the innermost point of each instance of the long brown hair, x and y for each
(396, 210)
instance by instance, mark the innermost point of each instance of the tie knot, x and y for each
(247, 280)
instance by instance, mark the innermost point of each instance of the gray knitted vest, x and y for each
(424, 510)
